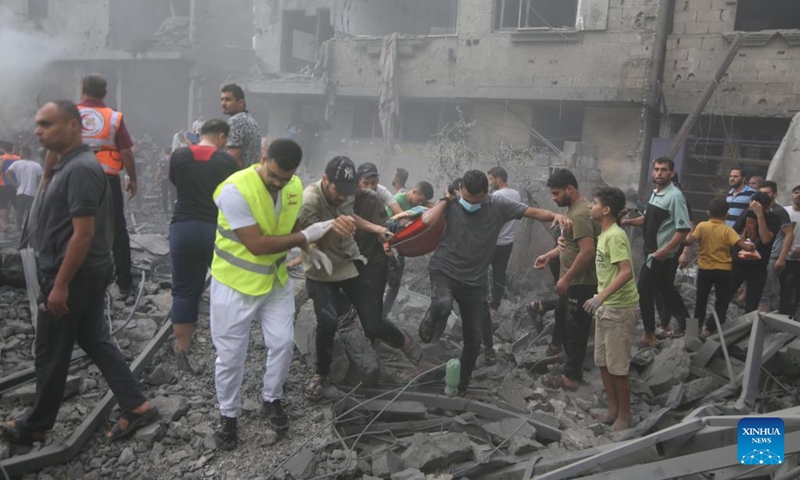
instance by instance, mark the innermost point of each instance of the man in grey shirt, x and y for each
(498, 180)
(75, 265)
(460, 265)
(244, 141)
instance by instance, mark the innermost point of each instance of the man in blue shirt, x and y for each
(738, 196)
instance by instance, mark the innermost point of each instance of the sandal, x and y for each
(18, 434)
(135, 422)
(534, 309)
(557, 381)
(315, 387)
(411, 350)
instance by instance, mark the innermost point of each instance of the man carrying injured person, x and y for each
(460, 265)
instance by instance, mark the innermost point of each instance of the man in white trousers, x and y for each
(256, 227)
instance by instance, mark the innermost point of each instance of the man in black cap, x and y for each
(370, 180)
(329, 198)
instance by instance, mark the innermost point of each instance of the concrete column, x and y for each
(120, 74)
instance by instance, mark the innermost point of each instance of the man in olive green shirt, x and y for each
(577, 280)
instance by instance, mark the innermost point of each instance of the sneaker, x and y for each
(225, 435)
(277, 417)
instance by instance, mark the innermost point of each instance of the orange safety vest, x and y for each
(3, 158)
(100, 125)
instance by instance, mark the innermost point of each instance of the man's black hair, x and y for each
(475, 182)
(740, 169)
(425, 188)
(286, 153)
(499, 172)
(95, 86)
(761, 198)
(402, 176)
(769, 184)
(613, 198)
(718, 208)
(663, 160)
(68, 109)
(562, 178)
(215, 126)
(236, 90)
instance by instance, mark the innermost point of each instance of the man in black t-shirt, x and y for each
(195, 171)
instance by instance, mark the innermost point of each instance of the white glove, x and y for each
(316, 231)
(592, 305)
(319, 260)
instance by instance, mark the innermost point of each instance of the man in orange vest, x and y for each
(7, 189)
(105, 132)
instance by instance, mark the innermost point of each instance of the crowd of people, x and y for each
(240, 208)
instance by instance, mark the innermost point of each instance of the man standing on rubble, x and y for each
(784, 239)
(25, 175)
(459, 267)
(74, 242)
(666, 224)
(738, 196)
(790, 277)
(498, 180)
(196, 172)
(244, 141)
(7, 189)
(577, 280)
(256, 227)
(331, 198)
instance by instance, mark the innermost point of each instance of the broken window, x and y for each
(755, 15)
(37, 9)
(302, 36)
(422, 122)
(557, 124)
(512, 14)
(408, 17)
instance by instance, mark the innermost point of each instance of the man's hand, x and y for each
(561, 244)
(659, 255)
(780, 264)
(561, 286)
(131, 188)
(564, 223)
(684, 259)
(57, 301)
(319, 260)
(314, 232)
(385, 234)
(542, 261)
(757, 208)
(593, 304)
(344, 225)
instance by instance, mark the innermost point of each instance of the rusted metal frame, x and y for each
(52, 455)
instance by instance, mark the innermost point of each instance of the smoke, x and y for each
(25, 53)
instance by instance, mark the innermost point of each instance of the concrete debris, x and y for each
(505, 429)
(577, 439)
(302, 465)
(670, 367)
(386, 463)
(127, 456)
(172, 408)
(430, 452)
(409, 474)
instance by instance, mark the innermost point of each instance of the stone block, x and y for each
(303, 464)
(669, 368)
(149, 434)
(386, 463)
(510, 428)
(409, 474)
(171, 409)
(432, 452)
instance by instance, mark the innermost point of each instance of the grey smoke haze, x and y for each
(24, 55)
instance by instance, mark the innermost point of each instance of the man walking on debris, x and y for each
(666, 224)
(256, 227)
(74, 241)
(331, 198)
(196, 172)
(614, 307)
(7, 159)
(244, 141)
(790, 277)
(770, 299)
(25, 175)
(460, 265)
(498, 180)
(577, 280)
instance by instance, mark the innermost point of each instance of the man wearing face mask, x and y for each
(460, 265)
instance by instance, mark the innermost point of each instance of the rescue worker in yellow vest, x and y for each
(256, 227)
(105, 132)
(7, 189)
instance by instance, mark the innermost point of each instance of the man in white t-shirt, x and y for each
(498, 180)
(790, 276)
(368, 173)
(26, 177)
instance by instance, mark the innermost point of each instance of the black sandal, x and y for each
(18, 434)
(135, 422)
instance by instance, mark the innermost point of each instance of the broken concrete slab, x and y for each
(151, 243)
(669, 368)
(698, 388)
(577, 439)
(510, 428)
(403, 408)
(409, 474)
(385, 463)
(303, 464)
(706, 353)
(430, 452)
(171, 409)
(520, 445)
(150, 434)
(512, 392)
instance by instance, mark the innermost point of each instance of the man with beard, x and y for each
(738, 196)
(666, 224)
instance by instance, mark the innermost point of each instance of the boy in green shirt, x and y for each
(614, 307)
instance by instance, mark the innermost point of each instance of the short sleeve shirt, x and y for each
(78, 188)
(738, 203)
(666, 214)
(401, 198)
(246, 135)
(196, 172)
(343, 251)
(371, 208)
(28, 174)
(510, 228)
(614, 247)
(582, 227)
(794, 216)
(716, 239)
(469, 239)
(785, 221)
(747, 227)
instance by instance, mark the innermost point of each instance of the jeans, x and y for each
(396, 265)
(500, 257)
(376, 273)
(471, 303)
(578, 326)
(191, 248)
(56, 336)
(721, 281)
(660, 276)
(755, 274)
(122, 243)
(361, 292)
(790, 288)
(24, 203)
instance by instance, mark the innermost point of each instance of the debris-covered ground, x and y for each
(509, 427)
